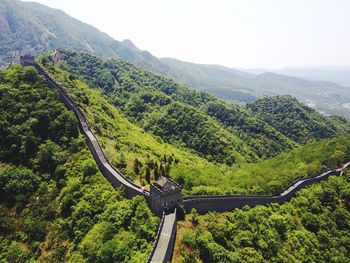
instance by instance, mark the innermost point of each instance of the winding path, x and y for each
(164, 242)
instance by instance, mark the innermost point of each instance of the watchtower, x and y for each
(27, 60)
(165, 195)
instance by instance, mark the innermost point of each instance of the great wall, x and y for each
(165, 196)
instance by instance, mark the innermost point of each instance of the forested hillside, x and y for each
(297, 121)
(55, 206)
(312, 227)
(143, 156)
(144, 96)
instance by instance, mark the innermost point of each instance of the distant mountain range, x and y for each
(339, 75)
(34, 28)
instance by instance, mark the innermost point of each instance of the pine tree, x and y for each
(136, 166)
(151, 164)
(155, 171)
(162, 170)
(122, 161)
(167, 170)
(148, 175)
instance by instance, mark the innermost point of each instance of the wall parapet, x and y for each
(155, 243)
(163, 246)
(224, 203)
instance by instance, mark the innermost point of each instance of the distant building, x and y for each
(165, 195)
(26, 60)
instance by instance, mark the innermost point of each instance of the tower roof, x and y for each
(165, 184)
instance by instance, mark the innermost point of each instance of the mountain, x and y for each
(226, 83)
(56, 206)
(33, 28)
(339, 75)
(175, 113)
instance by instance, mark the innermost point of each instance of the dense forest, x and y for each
(145, 98)
(295, 120)
(312, 227)
(55, 205)
(270, 176)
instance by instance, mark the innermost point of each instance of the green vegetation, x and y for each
(295, 120)
(138, 153)
(161, 106)
(129, 147)
(271, 175)
(55, 206)
(178, 115)
(312, 227)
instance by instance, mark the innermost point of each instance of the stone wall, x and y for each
(163, 247)
(223, 203)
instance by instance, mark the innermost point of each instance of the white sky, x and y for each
(234, 33)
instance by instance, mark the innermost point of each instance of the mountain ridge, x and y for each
(34, 28)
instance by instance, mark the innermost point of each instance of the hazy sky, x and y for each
(235, 33)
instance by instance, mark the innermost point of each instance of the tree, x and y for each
(148, 175)
(122, 160)
(17, 184)
(162, 170)
(151, 164)
(194, 216)
(337, 158)
(89, 168)
(136, 166)
(155, 171)
(49, 156)
(167, 169)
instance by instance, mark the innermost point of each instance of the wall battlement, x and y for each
(165, 196)
(27, 60)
